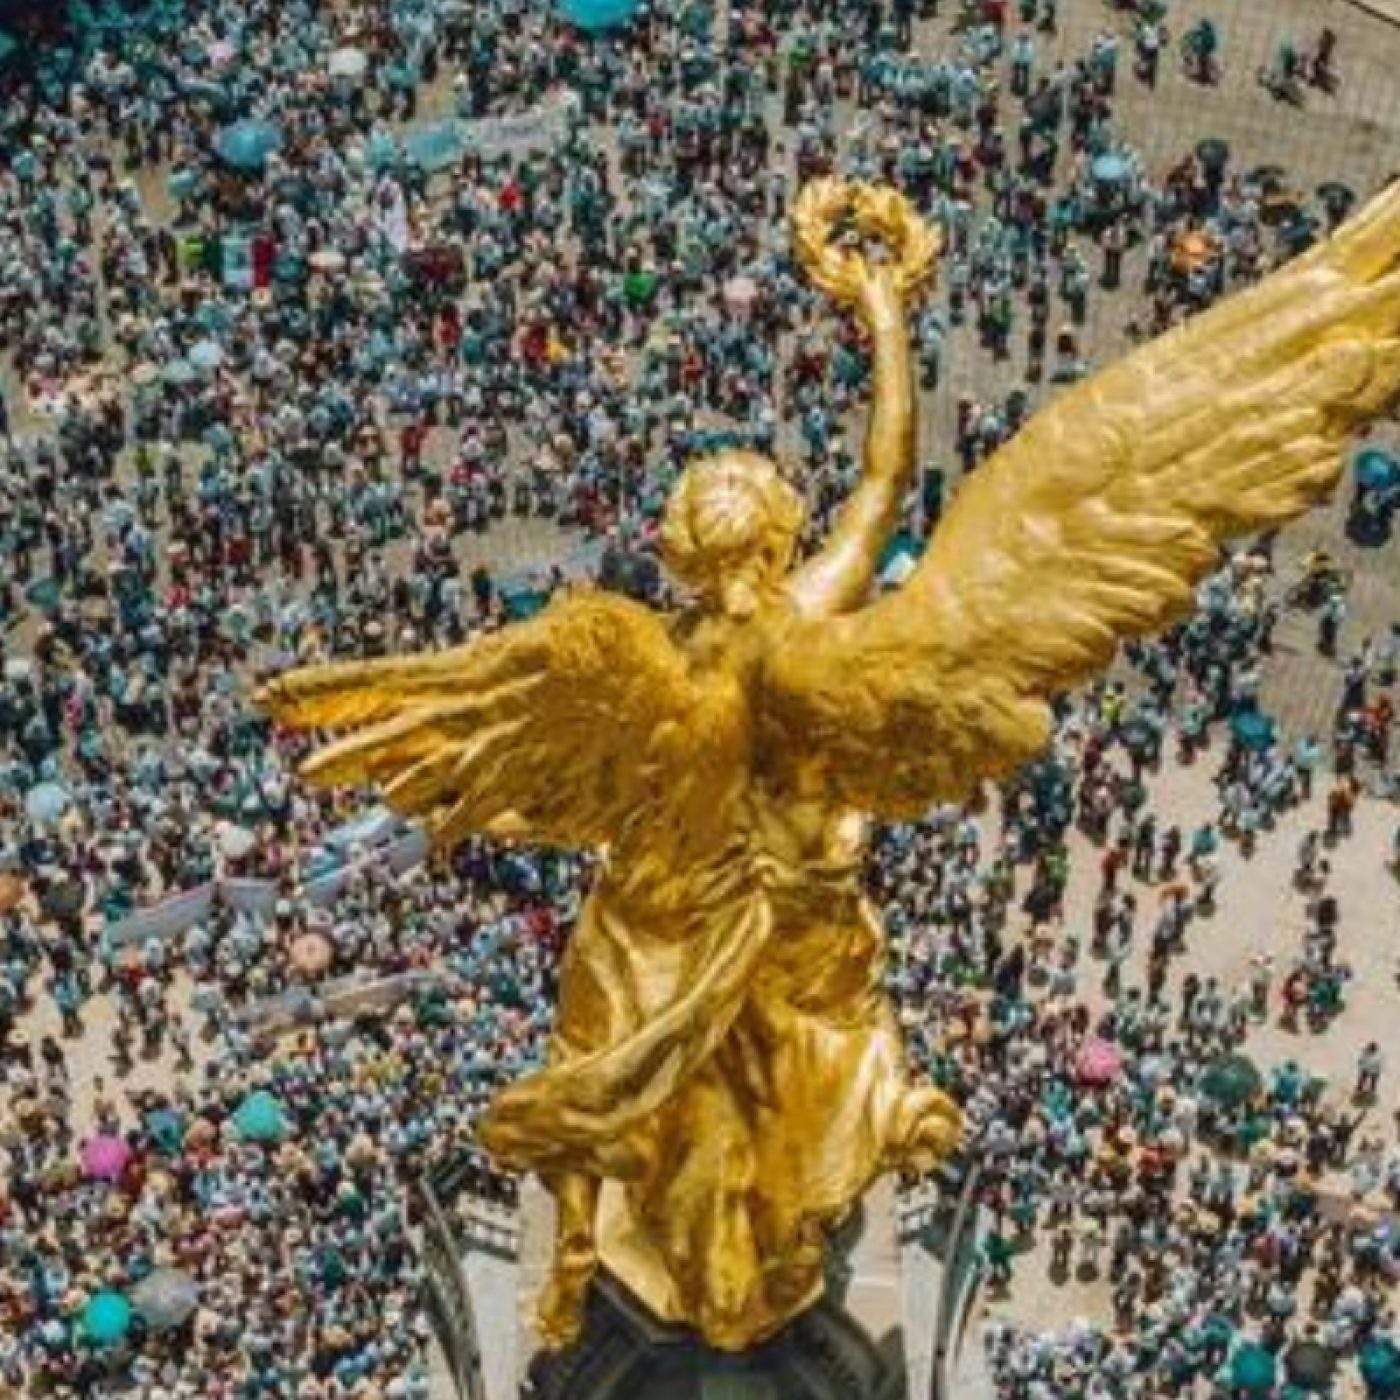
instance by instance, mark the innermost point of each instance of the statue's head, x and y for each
(730, 530)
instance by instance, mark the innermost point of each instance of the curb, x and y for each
(1387, 11)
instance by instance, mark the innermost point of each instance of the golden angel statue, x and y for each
(725, 1077)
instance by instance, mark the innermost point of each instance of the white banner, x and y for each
(515, 132)
(173, 916)
(164, 920)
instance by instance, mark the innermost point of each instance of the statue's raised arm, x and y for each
(827, 215)
(1093, 525)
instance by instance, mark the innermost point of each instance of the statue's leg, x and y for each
(560, 1311)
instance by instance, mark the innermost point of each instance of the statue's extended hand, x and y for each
(850, 276)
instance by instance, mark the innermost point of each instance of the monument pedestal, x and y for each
(849, 1346)
(626, 1354)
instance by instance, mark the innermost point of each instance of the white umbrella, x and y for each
(165, 1298)
(236, 841)
(348, 62)
(739, 292)
(45, 802)
(206, 355)
(327, 260)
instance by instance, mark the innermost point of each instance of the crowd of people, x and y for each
(1123, 1135)
(271, 366)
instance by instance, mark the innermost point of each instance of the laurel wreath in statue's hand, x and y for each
(830, 220)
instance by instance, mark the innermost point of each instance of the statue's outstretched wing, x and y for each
(1095, 524)
(560, 729)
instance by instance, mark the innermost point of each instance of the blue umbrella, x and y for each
(1377, 469)
(598, 15)
(435, 147)
(246, 145)
(182, 184)
(1111, 169)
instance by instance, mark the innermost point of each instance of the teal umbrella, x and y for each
(1379, 1364)
(1252, 729)
(107, 1318)
(166, 1127)
(1254, 1369)
(598, 15)
(1376, 469)
(1231, 1081)
(260, 1118)
(182, 184)
(206, 355)
(45, 594)
(381, 151)
(179, 372)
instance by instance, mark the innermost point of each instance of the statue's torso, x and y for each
(759, 804)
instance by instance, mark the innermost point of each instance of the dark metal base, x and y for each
(626, 1354)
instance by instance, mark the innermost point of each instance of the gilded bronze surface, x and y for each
(726, 1078)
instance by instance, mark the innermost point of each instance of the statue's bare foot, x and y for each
(559, 1315)
(926, 1128)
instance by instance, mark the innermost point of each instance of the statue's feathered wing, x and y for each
(563, 729)
(1095, 524)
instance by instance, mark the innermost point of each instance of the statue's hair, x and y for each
(726, 507)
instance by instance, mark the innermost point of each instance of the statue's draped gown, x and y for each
(729, 1067)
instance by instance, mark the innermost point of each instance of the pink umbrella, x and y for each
(105, 1157)
(1098, 1062)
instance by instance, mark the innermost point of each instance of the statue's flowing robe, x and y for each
(733, 1073)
